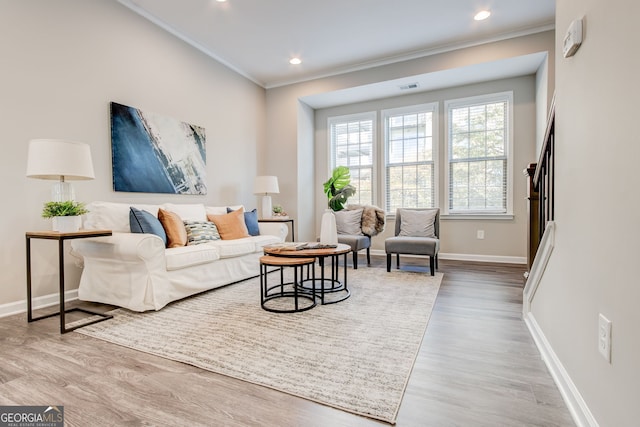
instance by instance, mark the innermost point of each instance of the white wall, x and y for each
(594, 266)
(283, 154)
(505, 239)
(63, 62)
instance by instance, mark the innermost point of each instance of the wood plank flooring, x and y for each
(477, 366)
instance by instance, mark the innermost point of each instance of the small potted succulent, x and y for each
(278, 212)
(65, 215)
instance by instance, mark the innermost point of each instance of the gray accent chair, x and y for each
(357, 232)
(428, 246)
(357, 243)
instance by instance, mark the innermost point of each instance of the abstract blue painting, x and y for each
(156, 154)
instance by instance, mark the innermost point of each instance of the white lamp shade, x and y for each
(59, 160)
(266, 185)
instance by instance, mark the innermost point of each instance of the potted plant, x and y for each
(279, 212)
(338, 188)
(65, 215)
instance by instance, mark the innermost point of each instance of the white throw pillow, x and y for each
(349, 221)
(417, 223)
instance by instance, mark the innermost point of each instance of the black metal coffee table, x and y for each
(323, 285)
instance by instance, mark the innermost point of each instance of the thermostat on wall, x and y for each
(573, 39)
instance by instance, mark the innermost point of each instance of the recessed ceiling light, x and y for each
(295, 61)
(221, 1)
(482, 15)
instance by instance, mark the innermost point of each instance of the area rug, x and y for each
(355, 355)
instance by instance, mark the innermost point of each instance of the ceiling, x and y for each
(256, 38)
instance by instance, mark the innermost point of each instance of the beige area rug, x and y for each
(356, 355)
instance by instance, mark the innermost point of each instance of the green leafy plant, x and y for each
(66, 208)
(338, 188)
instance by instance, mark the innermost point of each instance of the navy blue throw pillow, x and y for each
(143, 222)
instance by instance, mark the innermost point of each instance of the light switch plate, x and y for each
(604, 337)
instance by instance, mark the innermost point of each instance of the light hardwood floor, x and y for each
(477, 366)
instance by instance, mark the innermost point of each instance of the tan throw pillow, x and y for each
(230, 226)
(174, 227)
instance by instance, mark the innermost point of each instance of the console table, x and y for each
(60, 237)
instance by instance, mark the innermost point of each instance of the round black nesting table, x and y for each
(286, 297)
(324, 286)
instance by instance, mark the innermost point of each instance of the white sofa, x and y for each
(137, 271)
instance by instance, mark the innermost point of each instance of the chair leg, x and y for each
(368, 256)
(355, 260)
(388, 263)
(437, 262)
(432, 264)
(397, 261)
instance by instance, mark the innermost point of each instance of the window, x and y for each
(410, 169)
(478, 155)
(352, 145)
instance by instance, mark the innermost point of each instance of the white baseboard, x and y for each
(501, 259)
(578, 408)
(468, 257)
(18, 307)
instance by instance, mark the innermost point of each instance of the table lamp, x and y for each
(265, 185)
(60, 160)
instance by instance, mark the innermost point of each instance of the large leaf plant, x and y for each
(338, 188)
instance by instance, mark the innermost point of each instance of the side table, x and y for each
(289, 220)
(278, 292)
(60, 237)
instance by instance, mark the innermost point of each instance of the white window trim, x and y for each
(480, 99)
(368, 115)
(435, 142)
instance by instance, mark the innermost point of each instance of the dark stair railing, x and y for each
(540, 191)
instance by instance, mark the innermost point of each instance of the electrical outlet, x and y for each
(480, 234)
(604, 337)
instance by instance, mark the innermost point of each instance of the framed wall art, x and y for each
(152, 153)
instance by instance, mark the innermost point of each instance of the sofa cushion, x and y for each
(221, 210)
(188, 212)
(141, 221)
(199, 232)
(186, 256)
(231, 226)
(263, 240)
(234, 248)
(112, 215)
(349, 221)
(251, 221)
(174, 227)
